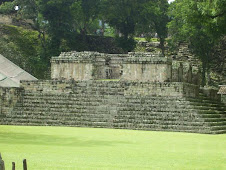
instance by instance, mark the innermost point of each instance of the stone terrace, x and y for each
(153, 93)
(114, 104)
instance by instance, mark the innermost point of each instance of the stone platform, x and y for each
(165, 106)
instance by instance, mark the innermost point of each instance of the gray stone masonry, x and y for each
(86, 66)
(134, 66)
(185, 72)
(8, 98)
(162, 106)
(147, 67)
(222, 92)
(152, 93)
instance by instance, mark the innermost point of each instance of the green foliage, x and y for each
(127, 44)
(85, 13)
(140, 16)
(7, 8)
(140, 48)
(154, 18)
(146, 39)
(109, 31)
(136, 16)
(24, 48)
(58, 17)
(201, 24)
(122, 15)
(63, 19)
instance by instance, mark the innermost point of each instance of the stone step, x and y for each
(82, 108)
(130, 98)
(198, 100)
(213, 115)
(221, 123)
(207, 104)
(101, 105)
(160, 118)
(214, 119)
(116, 126)
(60, 115)
(107, 100)
(57, 123)
(211, 112)
(156, 126)
(218, 131)
(213, 128)
(51, 121)
(160, 122)
(219, 108)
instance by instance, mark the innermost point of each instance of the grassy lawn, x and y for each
(89, 148)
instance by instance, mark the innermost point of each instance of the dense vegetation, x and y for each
(202, 24)
(23, 47)
(64, 25)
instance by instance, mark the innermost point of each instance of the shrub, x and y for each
(126, 44)
(7, 8)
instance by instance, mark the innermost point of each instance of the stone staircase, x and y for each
(173, 114)
(105, 105)
(212, 111)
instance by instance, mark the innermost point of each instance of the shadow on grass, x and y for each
(33, 139)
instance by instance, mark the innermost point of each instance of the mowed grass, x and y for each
(89, 148)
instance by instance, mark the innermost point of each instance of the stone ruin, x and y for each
(222, 92)
(143, 91)
(133, 66)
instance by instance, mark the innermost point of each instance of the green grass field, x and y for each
(89, 148)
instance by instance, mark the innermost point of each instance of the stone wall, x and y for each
(86, 66)
(223, 99)
(147, 67)
(133, 66)
(167, 89)
(210, 93)
(8, 98)
(185, 72)
(222, 93)
(174, 89)
(111, 104)
(49, 86)
(73, 65)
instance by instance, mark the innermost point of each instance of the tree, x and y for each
(122, 15)
(85, 13)
(154, 17)
(3, 1)
(7, 7)
(30, 9)
(201, 24)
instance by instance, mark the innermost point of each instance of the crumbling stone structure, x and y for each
(147, 67)
(151, 92)
(222, 92)
(86, 66)
(132, 66)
